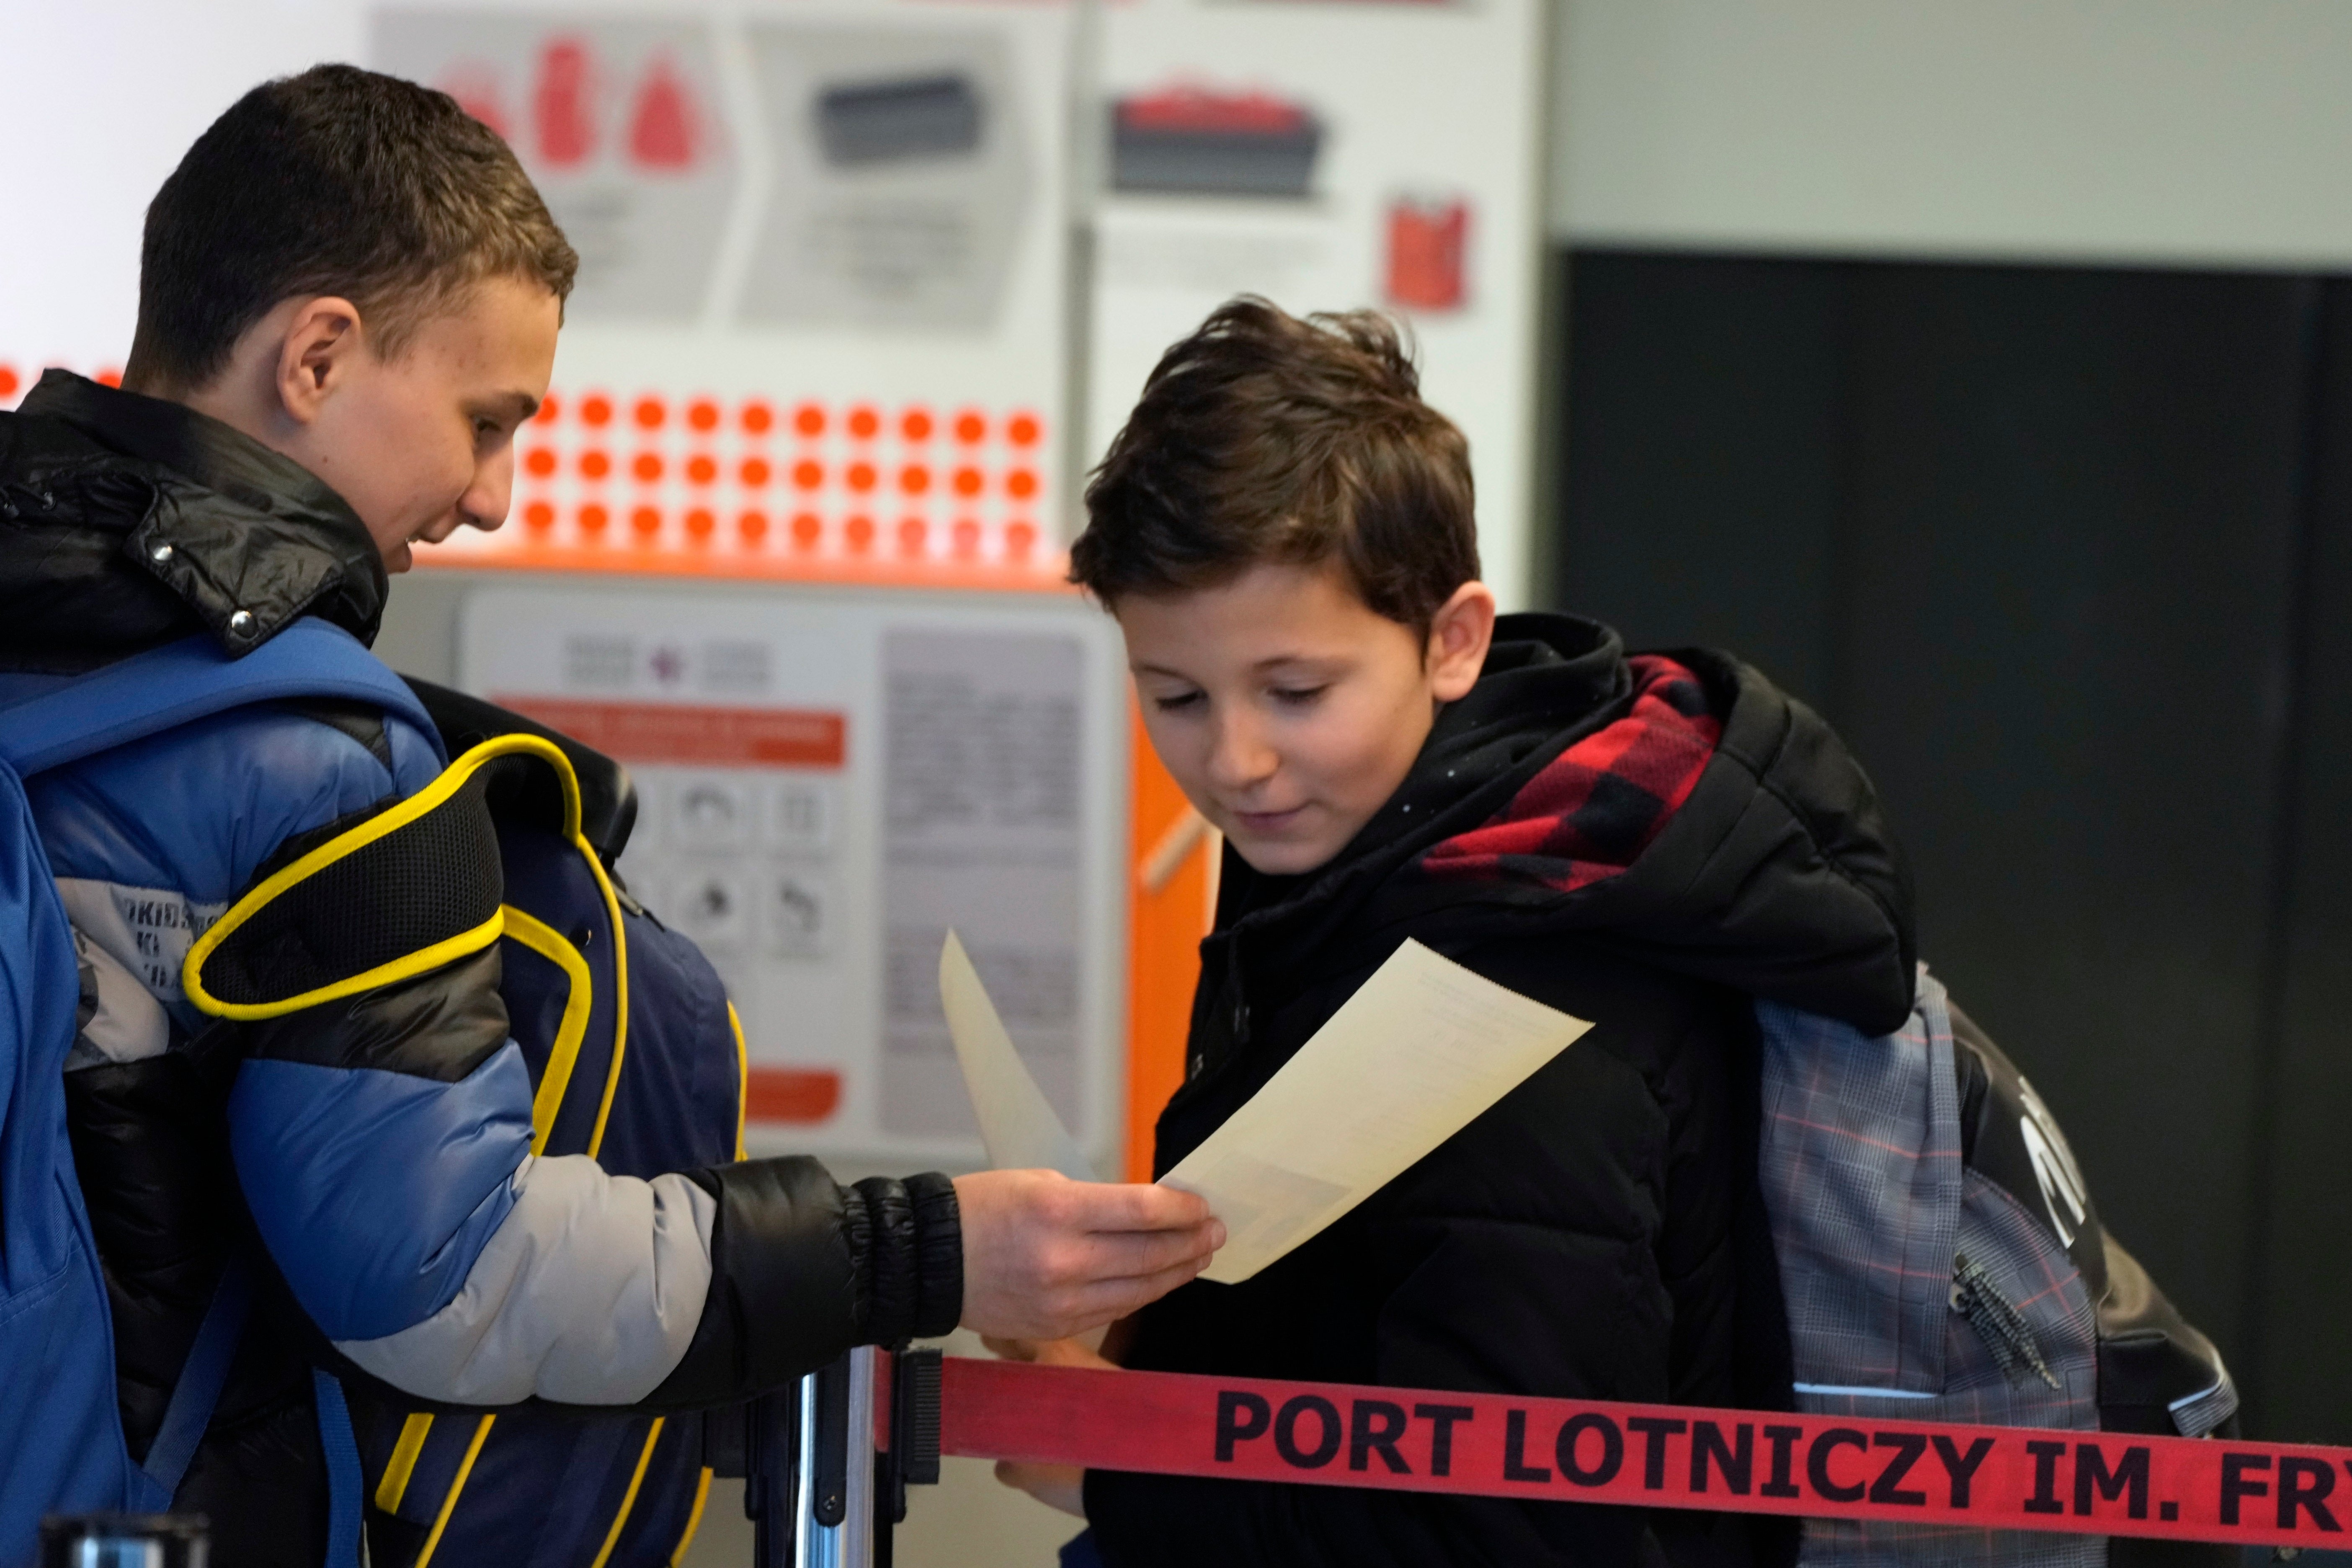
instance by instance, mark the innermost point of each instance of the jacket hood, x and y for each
(128, 521)
(1678, 809)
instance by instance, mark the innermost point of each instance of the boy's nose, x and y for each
(1238, 757)
(484, 504)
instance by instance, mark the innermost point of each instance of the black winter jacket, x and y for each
(369, 1194)
(1642, 845)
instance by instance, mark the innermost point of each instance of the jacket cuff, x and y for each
(909, 1236)
(939, 1255)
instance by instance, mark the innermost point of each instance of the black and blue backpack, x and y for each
(638, 1062)
(634, 1055)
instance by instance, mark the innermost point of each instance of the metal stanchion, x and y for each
(819, 1491)
(835, 1516)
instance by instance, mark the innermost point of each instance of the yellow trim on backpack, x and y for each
(456, 1485)
(550, 944)
(620, 980)
(629, 1497)
(742, 1078)
(405, 1453)
(693, 1520)
(432, 796)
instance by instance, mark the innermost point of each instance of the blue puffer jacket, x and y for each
(375, 1148)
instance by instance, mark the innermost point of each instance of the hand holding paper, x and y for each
(1046, 1257)
(1419, 1051)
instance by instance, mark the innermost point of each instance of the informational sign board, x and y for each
(1330, 157)
(823, 276)
(830, 780)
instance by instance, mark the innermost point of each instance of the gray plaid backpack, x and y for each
(1942, 1261)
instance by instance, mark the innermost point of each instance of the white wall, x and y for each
(102, 98)
(2174, 132)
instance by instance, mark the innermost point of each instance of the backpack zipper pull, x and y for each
(2004, 1331)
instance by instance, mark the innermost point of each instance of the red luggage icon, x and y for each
(1427, 241)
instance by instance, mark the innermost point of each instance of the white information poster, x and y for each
(1332, 155)
(823, 277)
(829, 780)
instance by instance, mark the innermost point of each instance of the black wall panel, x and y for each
(2035, 538)
(2300, 1357)
(1700, 472)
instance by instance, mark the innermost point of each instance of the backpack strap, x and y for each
(193, 679)
(202, 1377)
(346, 1483)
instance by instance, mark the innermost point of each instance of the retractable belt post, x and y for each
(829, 1461)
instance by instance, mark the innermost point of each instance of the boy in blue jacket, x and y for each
(349, 300)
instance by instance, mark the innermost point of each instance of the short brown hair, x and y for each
(338, 181)
(1266, 438)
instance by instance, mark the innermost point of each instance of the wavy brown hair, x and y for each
(1263, 437)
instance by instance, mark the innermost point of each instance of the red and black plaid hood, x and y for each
(1588, 812)
(1678, 808)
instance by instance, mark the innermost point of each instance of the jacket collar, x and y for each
(246, 537)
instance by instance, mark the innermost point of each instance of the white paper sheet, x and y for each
(1016, 1123)
(1414, 1057)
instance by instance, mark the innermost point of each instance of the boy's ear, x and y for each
(1459, 634)
(320, 347)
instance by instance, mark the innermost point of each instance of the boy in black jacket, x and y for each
(1285, 533)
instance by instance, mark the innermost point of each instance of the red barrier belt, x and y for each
(1656, 1456)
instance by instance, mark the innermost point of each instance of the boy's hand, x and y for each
(1045, 1258)
(1055, 1486)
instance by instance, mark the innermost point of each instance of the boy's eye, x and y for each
(1298, 695)
(1177, 704)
